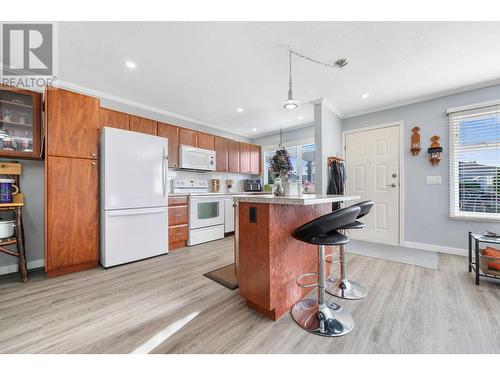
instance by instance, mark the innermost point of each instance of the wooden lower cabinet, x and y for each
(72, 216)
(177, 222)
(177, 236)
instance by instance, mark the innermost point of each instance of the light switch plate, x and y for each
(433, 180)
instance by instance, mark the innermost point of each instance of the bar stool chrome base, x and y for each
(336, 320)
(345, 289)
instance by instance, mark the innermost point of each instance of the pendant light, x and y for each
(290, 103)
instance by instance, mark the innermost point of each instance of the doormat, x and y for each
(225, 276)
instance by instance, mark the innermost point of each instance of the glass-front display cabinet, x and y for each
(20, 123)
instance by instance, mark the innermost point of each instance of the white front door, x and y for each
(372, 166)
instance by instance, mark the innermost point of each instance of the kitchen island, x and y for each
(267, 258)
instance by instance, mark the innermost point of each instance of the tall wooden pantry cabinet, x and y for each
(71, 182)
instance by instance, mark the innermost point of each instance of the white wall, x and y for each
(427, 206)
(328, 139)
(296, 134)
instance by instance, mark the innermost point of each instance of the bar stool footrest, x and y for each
(307, 274)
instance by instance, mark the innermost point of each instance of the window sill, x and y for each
(475, 218)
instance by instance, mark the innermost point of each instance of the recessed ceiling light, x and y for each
(254, 129)
(365, 95)
(130, 64)
(240, 109)
(301, 118)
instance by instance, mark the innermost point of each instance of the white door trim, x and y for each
(400, 125)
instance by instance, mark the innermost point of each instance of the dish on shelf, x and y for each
(491, 234)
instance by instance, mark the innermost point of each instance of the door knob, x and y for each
(392, 185)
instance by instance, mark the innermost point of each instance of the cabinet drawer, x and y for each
(177, 215)
(178, 201)
(177, 233)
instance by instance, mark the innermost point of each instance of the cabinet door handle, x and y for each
(93, 163)
(93, 155)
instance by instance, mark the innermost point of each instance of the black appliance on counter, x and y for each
(253, 185)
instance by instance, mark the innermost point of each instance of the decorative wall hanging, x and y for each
(435, 151)
(415, 141)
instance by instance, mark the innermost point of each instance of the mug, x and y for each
(6, 187)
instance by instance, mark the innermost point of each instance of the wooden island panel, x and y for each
(269, 259)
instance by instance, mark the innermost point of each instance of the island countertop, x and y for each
(267, 257)
(298, 200)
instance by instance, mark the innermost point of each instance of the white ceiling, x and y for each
(205, 71)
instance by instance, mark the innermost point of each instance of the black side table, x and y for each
(474, 263)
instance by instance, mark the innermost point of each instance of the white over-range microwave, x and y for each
(195, 158)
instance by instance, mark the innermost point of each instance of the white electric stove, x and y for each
(206, 210)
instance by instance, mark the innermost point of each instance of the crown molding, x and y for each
(103, 95)
(285, 130)
(328, 105)
(424, 98)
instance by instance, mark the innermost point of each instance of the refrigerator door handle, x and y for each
(164, 173)
(136, 211)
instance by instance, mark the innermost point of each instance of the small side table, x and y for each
(477, 238)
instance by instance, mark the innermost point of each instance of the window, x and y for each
(475, 163)
(304, 168)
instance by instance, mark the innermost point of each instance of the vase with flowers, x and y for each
(280, 167)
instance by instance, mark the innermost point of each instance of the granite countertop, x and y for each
(222, 193)
(299, 200)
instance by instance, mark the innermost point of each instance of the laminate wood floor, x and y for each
(409, 309)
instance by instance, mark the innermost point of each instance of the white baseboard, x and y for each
(436, 248)
(15, 267)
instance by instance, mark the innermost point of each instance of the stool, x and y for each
(316, 315)
(342, 287)
(14, 170)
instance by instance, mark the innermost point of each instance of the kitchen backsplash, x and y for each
(237, 178)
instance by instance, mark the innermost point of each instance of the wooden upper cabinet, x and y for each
(188, 137)
(72, 124)
(206, 141)
(245, 158)
(72, 202)
(221, 154)
(233, 156)
(142, 125)
(113, 119)
(172, 133)
(254, 159)
(20, 122)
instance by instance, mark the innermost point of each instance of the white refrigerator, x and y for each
(133, 188)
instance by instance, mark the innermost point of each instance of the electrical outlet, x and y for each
(433, 180)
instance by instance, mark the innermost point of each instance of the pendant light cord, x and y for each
(290, 83)
(291, 51)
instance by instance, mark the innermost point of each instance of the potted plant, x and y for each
(280, 168)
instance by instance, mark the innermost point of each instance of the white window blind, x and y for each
(475, 163)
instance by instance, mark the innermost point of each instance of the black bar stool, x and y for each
(316, 315)
(342, 287)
